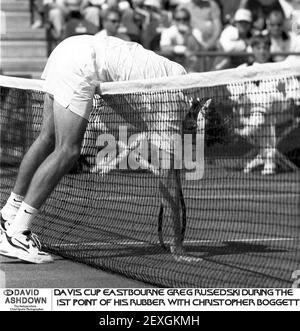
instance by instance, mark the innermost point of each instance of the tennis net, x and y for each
(234, 138)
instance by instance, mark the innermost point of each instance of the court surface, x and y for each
(242, 231)
(62, 274)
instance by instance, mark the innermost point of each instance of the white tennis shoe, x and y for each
(3, 224)
(3, 227)
(258, 161)
(25, 246)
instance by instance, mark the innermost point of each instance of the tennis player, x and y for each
(259, 124)
(72, 74)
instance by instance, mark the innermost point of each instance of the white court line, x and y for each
(196, 197)
(189, 242)
(245, 196)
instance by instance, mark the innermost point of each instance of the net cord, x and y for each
(193, 80)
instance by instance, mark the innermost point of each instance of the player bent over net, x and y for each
(71, 76)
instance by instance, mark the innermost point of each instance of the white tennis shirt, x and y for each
(78, 64)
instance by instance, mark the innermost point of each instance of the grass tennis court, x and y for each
(66, 274)
(243, 236)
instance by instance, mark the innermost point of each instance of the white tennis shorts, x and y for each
(71, 76)
(78, 64)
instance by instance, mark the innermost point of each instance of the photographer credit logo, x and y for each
(25, 299)
(296, 279)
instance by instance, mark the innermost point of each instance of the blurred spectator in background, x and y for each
(89, 9)
(228, 9)
(294, 16)
(59, 11)
(155, 20)
(115, 4)
(132, 20)
(206, 17)
(111, 25)
(262, 8)
(181, 41)
(76, 25)
(37, 12)
(260, 49)
(282, 41)
(235, 39)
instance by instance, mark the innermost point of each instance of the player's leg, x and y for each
(170, 188)
(40, 149)
(170, 191)
(269, 149)
(36, 154)
(172, 204)
(69, 132)
(252, 131)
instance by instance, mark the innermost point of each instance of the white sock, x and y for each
(9, 211)
(23, 219)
